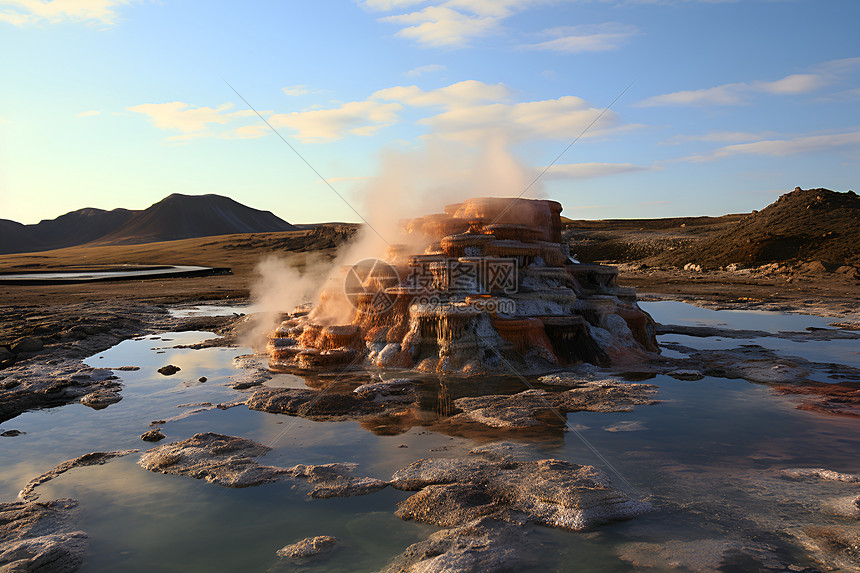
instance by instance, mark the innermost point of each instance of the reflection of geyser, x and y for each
(493, 289)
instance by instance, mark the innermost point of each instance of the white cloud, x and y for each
(473, 110)
(188, 119)
(28, 12)
(469, 111)
(388, 5)
(795, 84)
(740, 93)
(562, 118)
(428, 69)
(460, 93)
(88, 113)
(437, 26)
(728, 94)
(296, 90)
(789, 146)
(577, 39)
(718, 136)
(591, 170)
(320, 125)
(450, 23)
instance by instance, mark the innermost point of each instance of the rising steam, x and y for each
(409, 184)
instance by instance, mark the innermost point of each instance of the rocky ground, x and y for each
(487, 503)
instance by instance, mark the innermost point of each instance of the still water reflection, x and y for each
(704, 456)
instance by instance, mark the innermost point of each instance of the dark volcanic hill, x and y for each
(804, 225)
(801, 226)
(175, 217)
(188, 216)
(74, 228)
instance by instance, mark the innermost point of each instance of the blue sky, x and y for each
(118, 103)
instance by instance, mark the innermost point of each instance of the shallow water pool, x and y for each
(708, 457)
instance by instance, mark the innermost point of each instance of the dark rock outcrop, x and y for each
(30, 385)
(538, 407)
(308, 547)
(233, 462)
(487, 545)
(546, 492)
(40, 537)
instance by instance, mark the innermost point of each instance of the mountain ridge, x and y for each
(175, 217)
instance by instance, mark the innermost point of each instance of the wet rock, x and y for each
(40, 385)
(574, 379)
(169, 370)
(91, 459)
(27, 344)
(398, 390)
(154, 435)
(324, 404)
(547, 492)
(448, 505)
(691, 375)
(308, 547)
(233, 462)
(7, 357)
(846, 506)
(12, 433)
(836, 548)
(101, 399)
(336, 480)
(504, 451)
(202, 379)
(539, 407)
(752, 363)
(40, 537)
(220, 459)
(252, 373)
(485, 545)
(710, 331)
(848, 271)
(820, 473)
(812, 268)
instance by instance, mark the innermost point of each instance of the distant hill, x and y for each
(804, 225)
(189, 216)
(174, 217)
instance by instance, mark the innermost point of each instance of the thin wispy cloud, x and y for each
(299, 90)
(361, 118)
(460, 93)
(822, 75)
(797, 145)
(88, 113)
(588, 38)
(719, 136)
(192, 121)
(738, 93)
(428, 69)
(592, 170)
(34, 12)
